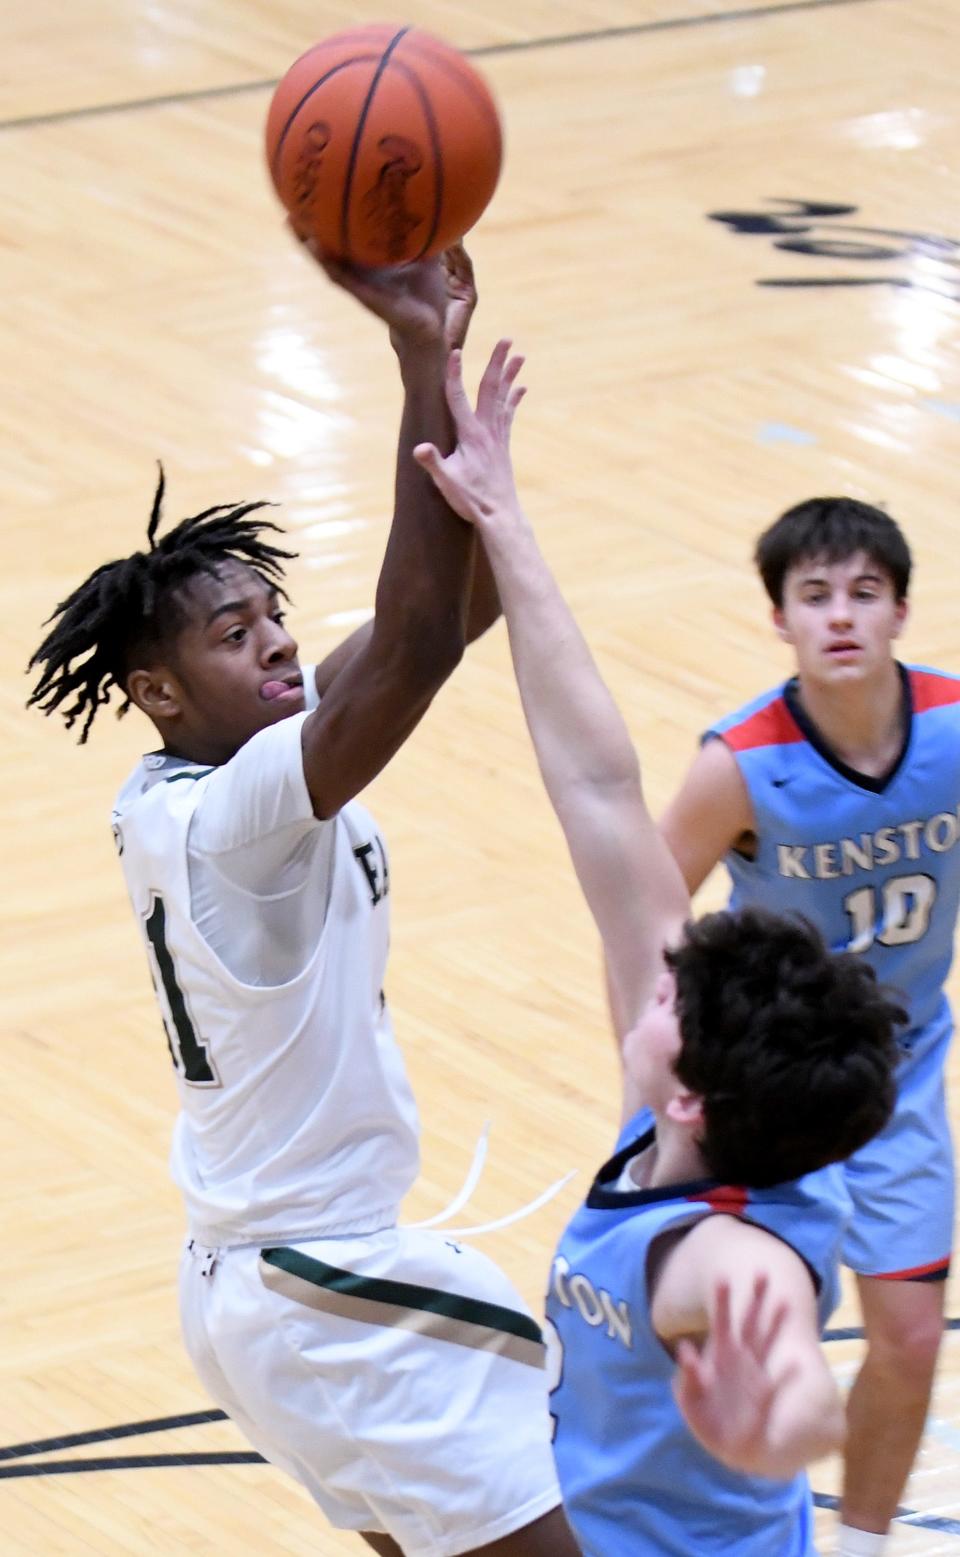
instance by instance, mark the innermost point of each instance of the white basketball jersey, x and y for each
(297, 1118)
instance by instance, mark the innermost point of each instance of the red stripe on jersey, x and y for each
(732, 1198)
(938, 1270)
(770, 726)
(932, 691)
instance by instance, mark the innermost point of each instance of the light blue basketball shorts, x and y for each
(902, 1182)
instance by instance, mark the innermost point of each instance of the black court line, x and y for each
(157, 1424)
(130, 1462)
(910, 1516)
(937, 1522)
(855, 1333)
(163, 1424)
(917, 1521)
(487, 51)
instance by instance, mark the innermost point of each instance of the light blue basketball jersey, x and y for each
(635, 1481)
(875, 864)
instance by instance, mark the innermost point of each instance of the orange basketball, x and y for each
(384, 144)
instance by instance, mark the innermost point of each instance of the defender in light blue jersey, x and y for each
(662, 1493)
(836, 796)
(691, 1389)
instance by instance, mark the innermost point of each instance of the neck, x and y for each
(195, 748)
(863, 723)
(674, 1158)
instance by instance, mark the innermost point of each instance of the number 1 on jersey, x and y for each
(189, 1055)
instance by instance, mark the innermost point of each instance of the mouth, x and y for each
(845, 646)
(285, 689)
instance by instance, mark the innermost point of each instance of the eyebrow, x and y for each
(860, 578)
(238, 607)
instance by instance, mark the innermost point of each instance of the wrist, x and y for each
(500, 523)
(419, 353)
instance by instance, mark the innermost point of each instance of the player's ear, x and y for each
(901, 616)
(686, 1108)
(780, 624)
(156, 692)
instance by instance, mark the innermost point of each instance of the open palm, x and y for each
(726, 1390)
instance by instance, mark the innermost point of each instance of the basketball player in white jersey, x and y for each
(397, 1375)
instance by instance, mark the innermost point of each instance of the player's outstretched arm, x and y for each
(752, 1383)
(589, 766)
(709, 815)
(483, 604)
(381, 691)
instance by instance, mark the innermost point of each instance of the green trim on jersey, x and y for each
(446, 1316)
(201, 774)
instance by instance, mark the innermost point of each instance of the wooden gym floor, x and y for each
(693, 367)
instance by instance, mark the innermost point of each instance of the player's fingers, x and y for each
(505, 387)
(720, 1324)
(766, 1343)
(516, 395)
(691, 1379)
(510, 371)
(428, 456)
(751, 1319)
(457, 398)
(458, 264)
(490, 382)
(376, 289)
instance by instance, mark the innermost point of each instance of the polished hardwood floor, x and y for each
(727, 239)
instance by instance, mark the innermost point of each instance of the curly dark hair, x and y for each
(834, 528)
(129, 609)
(790, 1046)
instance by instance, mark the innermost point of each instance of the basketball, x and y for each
(384, 144)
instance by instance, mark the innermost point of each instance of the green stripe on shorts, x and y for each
(445, 1316)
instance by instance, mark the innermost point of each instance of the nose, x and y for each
(840, 609)
(280, 645)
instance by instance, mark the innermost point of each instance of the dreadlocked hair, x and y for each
(129, 605)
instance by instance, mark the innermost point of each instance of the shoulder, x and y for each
(722, 1240)
(260, 791)
(765, 721)
(725, 1248)
(159, 782)
(931, 688)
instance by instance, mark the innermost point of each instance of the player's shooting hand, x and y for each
(476, 479)
(727, 1390)
(412, 300)
(461, 294)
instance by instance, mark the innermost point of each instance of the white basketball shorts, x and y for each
(399, 1377)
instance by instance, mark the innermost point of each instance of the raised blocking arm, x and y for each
(629, 878)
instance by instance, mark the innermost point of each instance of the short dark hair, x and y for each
(790, 1046)
(128, 609)
(834, 528)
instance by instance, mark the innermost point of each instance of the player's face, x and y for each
(234, 664)
(841, 619)
(651, 1047)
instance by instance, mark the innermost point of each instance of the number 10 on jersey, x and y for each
(894, 914)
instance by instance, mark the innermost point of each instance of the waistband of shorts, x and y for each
(209, 1236)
